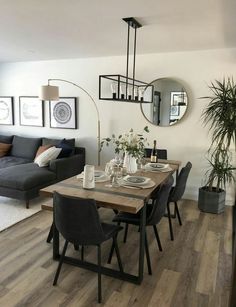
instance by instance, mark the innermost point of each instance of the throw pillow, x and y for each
(50, 154)
(66, 149)
(4, 148)
(42, 149)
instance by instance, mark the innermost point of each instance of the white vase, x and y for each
(130, 163)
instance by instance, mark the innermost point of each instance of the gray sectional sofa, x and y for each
(21, 178)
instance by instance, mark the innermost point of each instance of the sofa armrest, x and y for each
(67, 167)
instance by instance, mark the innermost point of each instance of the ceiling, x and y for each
(59, 29)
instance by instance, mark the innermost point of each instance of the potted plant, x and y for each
(220, 115)
(131, 144)
(211, 197)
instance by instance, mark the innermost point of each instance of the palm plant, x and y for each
(220, 113)
(220, 171)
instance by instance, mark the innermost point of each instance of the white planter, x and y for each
(130, 163)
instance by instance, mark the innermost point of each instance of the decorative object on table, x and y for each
(63, 113)
(124, 88)
(154, 157)
(131, 144)
(220, 114)
(89, 180)
(6, 110)
(31, 111)
(51, 93)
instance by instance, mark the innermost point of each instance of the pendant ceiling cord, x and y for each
(127, 61)
(134, 57)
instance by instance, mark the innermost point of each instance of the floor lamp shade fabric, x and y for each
(49, 92)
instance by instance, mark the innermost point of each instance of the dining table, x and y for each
(122, 198)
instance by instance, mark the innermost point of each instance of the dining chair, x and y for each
(176, 194)
(161, 154)
(77, 220)
(154, 214)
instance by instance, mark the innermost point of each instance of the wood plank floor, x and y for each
(194, 270)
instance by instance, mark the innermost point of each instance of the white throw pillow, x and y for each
(45, 157)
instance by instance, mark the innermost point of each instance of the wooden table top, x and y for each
(120, 198)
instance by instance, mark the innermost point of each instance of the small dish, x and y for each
(137, 180)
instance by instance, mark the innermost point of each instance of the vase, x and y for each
(130, 163)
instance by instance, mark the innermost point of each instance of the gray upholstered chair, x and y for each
(78, 221)
(176, 194)
(155, 212)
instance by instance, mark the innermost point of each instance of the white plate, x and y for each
(148, 185)
(157, 166)
(136, 180)
(98, 174)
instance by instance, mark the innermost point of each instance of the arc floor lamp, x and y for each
(51, 92)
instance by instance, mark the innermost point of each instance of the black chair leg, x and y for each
(111, 253)
(82, 252)
(178, 215)
(50, 234)
(157, 238)
(148, 256)
(76, 247)
(60, 263)
(126, 232)
(117, 253)
(170, 222)
(99, 275)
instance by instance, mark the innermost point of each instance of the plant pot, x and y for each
(130, 163)
(211, 201)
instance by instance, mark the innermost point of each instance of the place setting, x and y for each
(158, 167)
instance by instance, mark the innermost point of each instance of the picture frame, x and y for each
(174, 110)
(31, 110)
(63, 113)
(6, 110)
(178, 98)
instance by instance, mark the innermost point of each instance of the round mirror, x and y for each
(170, 102)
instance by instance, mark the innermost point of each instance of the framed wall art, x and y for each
(6, 110)
(31, 111)
(178, 98)
(174, 110)
(63, 113)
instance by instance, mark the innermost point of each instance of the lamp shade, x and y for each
(49, 92)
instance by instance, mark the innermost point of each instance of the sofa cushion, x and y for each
(7, 139)
(4, 148)
(9, 161)
(45, 157)
(42, 149)
(25, 147)
(55, 142)
(66, 149)
(25, 177)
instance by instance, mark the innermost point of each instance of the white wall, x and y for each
(185, 141)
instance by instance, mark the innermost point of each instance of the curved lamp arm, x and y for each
(96, 108)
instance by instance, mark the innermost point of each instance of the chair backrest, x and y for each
(161, 153)
(178, 190)
(160, 202)
(77, 219)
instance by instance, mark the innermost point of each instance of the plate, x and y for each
(137, 180)
(128, 185)
(98, 174)
(157, 165)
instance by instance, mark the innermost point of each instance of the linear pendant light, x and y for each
(123, 88)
